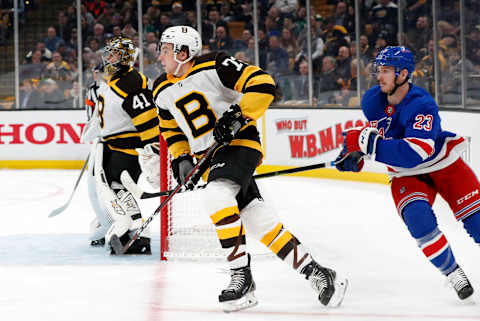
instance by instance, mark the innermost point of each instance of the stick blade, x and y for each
(116, 245)
(58, 211)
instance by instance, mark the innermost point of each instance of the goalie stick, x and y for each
(62, 208)
(115, 243)
(128, 182)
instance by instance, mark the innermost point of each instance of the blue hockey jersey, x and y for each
(414, 140)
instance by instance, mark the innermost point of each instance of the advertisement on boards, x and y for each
(42, 135)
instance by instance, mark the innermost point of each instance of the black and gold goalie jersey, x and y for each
(127, 114)
(189, 106)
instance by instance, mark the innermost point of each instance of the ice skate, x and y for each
(239, 293)
(329, 286)
(459, 281)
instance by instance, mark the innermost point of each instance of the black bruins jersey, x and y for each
(127, 114)
(189, 106)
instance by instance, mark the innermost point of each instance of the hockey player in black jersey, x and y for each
(200, 99)
(124, 120)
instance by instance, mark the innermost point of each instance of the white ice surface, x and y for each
(48, 271)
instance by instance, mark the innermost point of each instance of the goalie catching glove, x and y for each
(149, 160)
(228, 125)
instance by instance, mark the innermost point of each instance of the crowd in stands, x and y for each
(49, 74)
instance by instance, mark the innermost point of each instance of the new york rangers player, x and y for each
(423, 160)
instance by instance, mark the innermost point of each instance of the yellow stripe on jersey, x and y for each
(115, 88)
(226, 212)
(149, 133)
(124, 150)
(247, 143)
(260, 80)
(159, 87)
(171, 79)
(144, 80)
(179, 148)
(280, 242)
(228, 233)
(270, 236)
(136, 134)
(245, 74)
(144, 117)
(170, 124)
(254, 105)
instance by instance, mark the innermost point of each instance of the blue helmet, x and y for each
(399, 57)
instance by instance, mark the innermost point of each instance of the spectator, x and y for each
(128, 31)
(381, 41)
(420, 35)
(473, 45)
(365, 49)
(300, 82)
(327, 84)
(290, 25)
(50, 95)
(289, 43)
(213, 22)
(336, 37)
(383, 17)
(150, 37)
(222, 41)
(117, 31)
(46, 55)
(178, 17)
(52, 41)
(114, 20)
(162, 24)
(277, 57)
(29, 95)
(99, 34)
(343, 64)
(59, 70)
(63, 26)
(148, 26)
(72, 42)
(94, 46)
(34, 66)
(285, 6)
(242, 43)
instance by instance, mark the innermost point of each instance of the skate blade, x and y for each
(116, 245)
(341, 285)
(248, 301)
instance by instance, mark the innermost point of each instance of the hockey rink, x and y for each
(48, 271)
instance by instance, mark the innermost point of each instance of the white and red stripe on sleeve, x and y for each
(424, 147)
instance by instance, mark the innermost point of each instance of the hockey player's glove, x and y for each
(181, 167)
(149, 160)
(228, 125)
(361, 139)
(352, 162)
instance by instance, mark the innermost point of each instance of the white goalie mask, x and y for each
(182, 37)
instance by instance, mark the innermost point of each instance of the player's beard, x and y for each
(386, 89)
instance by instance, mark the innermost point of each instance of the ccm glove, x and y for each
(228, 125)
(362, 139)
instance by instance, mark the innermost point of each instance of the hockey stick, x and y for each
(115, 243)
(128, 182)
(64, 206)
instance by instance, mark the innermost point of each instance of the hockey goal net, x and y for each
(186, 231)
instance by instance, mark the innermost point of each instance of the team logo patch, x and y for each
(390, 110)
